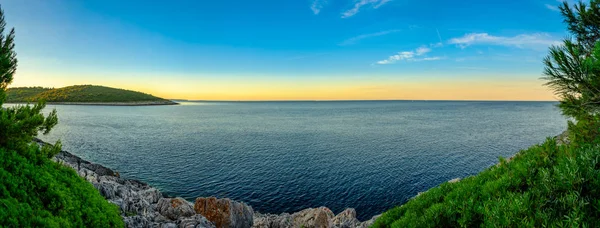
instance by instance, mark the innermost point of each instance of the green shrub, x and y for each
(544, 186)
(37, 192)
(585, 130)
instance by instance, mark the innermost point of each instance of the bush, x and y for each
(544, 186)
(37, 192)
(585, 131)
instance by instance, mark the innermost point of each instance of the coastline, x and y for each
(136, 103)
(142, 205)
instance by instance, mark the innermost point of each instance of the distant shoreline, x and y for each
(274, 101)
(137, 103)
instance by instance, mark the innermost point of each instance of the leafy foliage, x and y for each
(575, 76)
(77, 93)
(37, 192)
(583, 21)
(585, 131)
(8, 57)
(573, 69)
(21, 123)
(34, 190)
(544, 186)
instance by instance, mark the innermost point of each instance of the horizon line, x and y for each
(351, 100)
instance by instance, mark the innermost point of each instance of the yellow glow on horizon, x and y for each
(214, 88)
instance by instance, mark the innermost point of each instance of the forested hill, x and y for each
(83, 94)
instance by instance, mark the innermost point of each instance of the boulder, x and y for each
(313, 218)
(167, 225)
(455, 180)
(272, 221)
(563, 138)
(136, 221)
(174, 208)
(225, 212)
(158, 218)
(152, 195)
(346, 219)
(195, 221)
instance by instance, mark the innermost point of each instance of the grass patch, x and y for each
(544, 186)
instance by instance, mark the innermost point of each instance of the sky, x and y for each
(290, 49)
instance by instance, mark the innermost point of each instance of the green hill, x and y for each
(83, 94)
(23, 93)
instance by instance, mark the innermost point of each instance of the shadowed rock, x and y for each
(225, 212)
(320, 217)
(313, 217)
(563, 138)
(174, 208)
(346, 219)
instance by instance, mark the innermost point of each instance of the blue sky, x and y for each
(202, 49)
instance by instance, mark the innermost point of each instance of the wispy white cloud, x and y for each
(317, 5)
(400, 56)
(381, 3)
(355, 39)
(532, 41)
(429, 59)
(552, 7)
(422, 50)
(361, 3)
(413, 56)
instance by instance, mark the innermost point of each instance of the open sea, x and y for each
(287, 156)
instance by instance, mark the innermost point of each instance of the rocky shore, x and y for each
(145, 206)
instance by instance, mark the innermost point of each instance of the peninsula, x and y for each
(83, 95)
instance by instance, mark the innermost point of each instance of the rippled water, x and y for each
(286, 156)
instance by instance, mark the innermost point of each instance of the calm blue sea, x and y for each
(287, 156)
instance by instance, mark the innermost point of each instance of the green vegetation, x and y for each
(34, 190)
(37, 192)
(547, 185)
(573, 68)
(78, 93)
(543, 186)
(23, 94)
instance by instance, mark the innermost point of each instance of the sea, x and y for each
(287, 156)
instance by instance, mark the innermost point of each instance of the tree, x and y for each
(584, 22)
(8, 57)
(18, 124)
(572, 70)
(34, 190)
